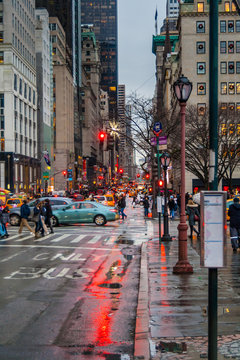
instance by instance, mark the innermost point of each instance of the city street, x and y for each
(71, 294)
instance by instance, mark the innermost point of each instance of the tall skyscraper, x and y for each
(172, 8)
(19, 167)
(69, 14)
(103, 15)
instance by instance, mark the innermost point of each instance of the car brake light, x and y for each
(105, 202)
(113, 210)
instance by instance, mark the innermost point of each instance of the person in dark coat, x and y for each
(122, 205)
(25, 212)
(192, 212)
(234, 214)
(48, 215)
(146, 206)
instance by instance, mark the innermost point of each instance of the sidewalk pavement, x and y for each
(172, 320)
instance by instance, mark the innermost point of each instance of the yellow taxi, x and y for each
(107, 199)
(14, 203)
(229, 202)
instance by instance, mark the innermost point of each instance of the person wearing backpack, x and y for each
(43, 212)
(25, 212)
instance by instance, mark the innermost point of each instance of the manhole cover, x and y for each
(129, 251)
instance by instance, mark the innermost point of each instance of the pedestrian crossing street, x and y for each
(80, 235)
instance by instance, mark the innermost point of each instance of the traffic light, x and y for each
(64, 172)
(110, 142)
(69, 173)
(147, 176)
(161, 183)
(138, 175)
(121, 171)
(102, 136)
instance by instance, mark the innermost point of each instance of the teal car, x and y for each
(85, 212)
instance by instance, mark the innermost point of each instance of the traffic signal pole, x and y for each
(213, 167)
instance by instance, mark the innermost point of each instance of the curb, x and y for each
(141, 343)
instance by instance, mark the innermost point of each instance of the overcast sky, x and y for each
(136, 25)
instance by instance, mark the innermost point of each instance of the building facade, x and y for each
(103, 15)
(193, 25)
(19, 166)
(69, 14)
(63, 111)
(44, 89)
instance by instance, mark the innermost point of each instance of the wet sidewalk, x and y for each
(172, 320)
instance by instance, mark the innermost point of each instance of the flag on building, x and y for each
(46, 157)
(156, 16)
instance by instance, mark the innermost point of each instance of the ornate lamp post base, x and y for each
(182, 266)
(166, 237)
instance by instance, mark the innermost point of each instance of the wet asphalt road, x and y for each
(71, 294)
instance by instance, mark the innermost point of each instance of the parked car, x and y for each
(85, 212)
(55, 202)
(107, 199)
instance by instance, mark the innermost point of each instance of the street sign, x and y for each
(157, 128)
(153, 141)
(46, 175)
(162, 147)
(162, 140)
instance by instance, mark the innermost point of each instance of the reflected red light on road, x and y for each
(103, 326)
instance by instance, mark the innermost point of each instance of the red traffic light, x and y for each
(138, 175)
(64, 172)
(102, 135)
(121, 171)
(161, 183)
(147, 176)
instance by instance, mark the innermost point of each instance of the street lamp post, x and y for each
(182, 90)
(165, 161)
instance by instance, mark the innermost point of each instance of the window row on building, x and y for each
(16, 4)
(25, 146)
(23, 68)
(22, 32)
(24, 89)
(230, 107)
(228, 6)
(225, 47)
(23, 50)
(229, 26)
(230, 88)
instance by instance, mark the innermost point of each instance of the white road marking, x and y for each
(60, 238)
(58, 247)
(150, 228)
(95, 239)
(25, 238)
(10, 237)
(13, 256)
(44, 238)
(78, 239)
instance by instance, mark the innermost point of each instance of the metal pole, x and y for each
(159, 176)
(213, 167)
(182, 266)
(166, 236)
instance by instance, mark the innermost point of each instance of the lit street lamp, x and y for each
(182, 90)
(165, 161)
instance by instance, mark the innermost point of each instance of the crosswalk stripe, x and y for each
(44, 237)
(10, 238)
(78, 238)
(95, 239)
(64, 236)
(25, 238)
